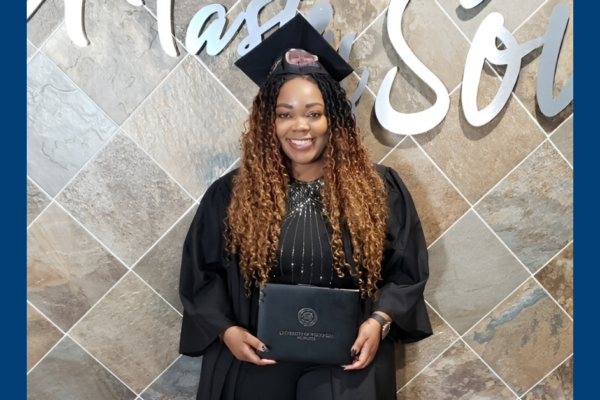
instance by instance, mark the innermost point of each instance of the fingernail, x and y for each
(352, 353)
(264, 349)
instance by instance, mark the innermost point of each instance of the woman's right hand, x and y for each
(243, 345)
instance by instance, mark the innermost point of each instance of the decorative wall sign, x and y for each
(212, 38)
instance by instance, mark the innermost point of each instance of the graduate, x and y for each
(306, 206)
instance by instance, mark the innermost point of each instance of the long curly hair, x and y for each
(354, 196)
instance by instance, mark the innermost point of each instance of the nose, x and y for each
(300, 124)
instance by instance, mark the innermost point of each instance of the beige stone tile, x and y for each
(557, 278)
(470, 272)
(37, 200)
(132, 331)
(191, 126)
(476, 158)
(457, 374)
(68, 372)
(125, 199)
(412, 358)
(348, 15)
(41, 336)
(45, 20)
(438, 204)
(532, 209)
(68, 271)
(524, 338)
(124, 61)
(160, 267)
(423, 23)
(525, 88)
(563, 139)
(515, 12)
(557, 385)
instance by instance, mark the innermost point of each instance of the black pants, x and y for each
(304, 381)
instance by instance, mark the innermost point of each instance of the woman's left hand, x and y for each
(366, 344)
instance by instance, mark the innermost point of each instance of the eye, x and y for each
(284, 115)
(314, 115)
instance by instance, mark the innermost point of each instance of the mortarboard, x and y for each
(298, 33)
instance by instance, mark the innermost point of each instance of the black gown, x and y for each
(213, 294)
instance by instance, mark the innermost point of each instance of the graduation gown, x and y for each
(212, 289)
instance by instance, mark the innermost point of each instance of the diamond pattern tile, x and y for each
(412, 358)
(193, 137)
(124, 61)
(161, 265)
(563, 139)
(37, 200)
(41, 336)
(524, 338)
(475, 159)
(532, 209)
(68, 271)
(470, 272)
(457, 374)
(557, 385)
(557, 278)
(64, 127)
(125, 199)
(68, 372)
(439, 205)
(132, 331)
(179, 382)
(45, 20)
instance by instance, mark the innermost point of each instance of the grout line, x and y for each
(475, 353)
(392, 150)
(55, 344)
(560, 152)
(448, 229)
(105, 367)
(548, 374)
(524, 266)
(528, 18)
(163, 235)
(221, 83)
(560, 125)
(158, 294)
(39, 48)
(48, 352)
(453, 22)
(552, 297)
(442, 172)
(552, 259)
(427, 366)
(370, 24)
(232, 7)
(159, 375)
(156, 162)
(509, 173)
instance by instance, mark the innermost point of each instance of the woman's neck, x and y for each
(307, 172)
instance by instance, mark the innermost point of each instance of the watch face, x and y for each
(385, 330)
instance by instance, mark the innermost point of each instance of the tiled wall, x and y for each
(122, 141)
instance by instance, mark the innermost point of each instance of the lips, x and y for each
(301, 144)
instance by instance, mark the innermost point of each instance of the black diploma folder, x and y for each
(308, 323)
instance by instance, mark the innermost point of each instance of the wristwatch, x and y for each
(385, 326)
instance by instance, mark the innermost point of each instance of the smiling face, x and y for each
(302, 127)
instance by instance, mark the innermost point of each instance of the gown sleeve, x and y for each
(405, 267)
(203, 285)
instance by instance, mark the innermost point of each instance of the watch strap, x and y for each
(385, 326)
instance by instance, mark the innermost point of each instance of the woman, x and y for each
(306, 206)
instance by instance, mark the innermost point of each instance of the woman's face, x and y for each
(301, 123)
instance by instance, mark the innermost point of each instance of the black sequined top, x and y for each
(304, 254)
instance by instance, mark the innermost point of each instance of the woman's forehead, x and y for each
(300, 90)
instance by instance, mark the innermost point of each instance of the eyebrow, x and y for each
(285, 105)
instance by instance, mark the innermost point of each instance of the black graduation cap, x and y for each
(297, 33)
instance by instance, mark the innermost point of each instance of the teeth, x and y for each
(301, 141)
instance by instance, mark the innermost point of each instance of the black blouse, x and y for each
(304, 254)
